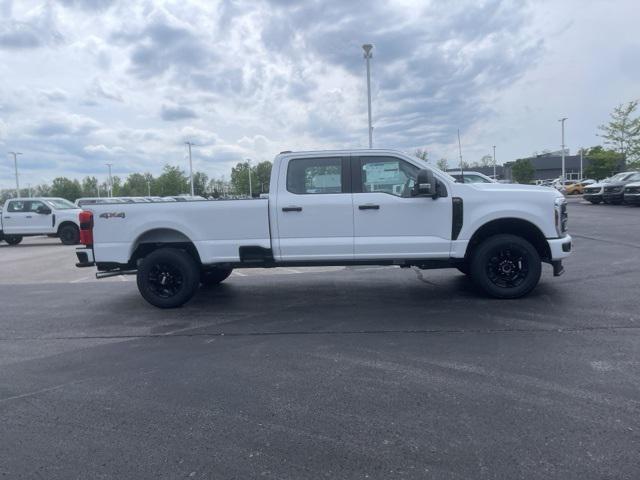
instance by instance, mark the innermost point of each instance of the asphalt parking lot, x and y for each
(326, 373)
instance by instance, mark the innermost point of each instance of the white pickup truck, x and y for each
(24, 217)
(362, 207)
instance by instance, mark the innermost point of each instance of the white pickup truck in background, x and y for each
(25, 217)
(362, 207)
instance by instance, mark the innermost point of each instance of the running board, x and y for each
(115, 273)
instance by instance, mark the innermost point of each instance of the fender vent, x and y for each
(456, 223)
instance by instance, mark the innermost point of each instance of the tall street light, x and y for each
(110, 189)
(494, 162)
(15, 166)
(250, 187)
(367, 47)
(189, 144)
(562, 120)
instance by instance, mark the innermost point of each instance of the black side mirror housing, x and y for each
(42, 210)
(426, 185)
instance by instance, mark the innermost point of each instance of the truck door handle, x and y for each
(29, 216)
(7, 216)
(291, 209)
(369, 206)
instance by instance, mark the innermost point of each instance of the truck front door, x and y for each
(388, 221)
(314, 210)
(41, 220)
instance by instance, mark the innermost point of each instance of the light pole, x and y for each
(367, 47)
(562, 120)
(110, 189)
(148, 188)
(189, 144)
(15, 166)
(250, 187)
(581, 175)
(494, 162)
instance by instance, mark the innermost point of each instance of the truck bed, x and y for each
(217, 228)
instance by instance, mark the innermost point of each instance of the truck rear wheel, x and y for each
(12, 239)
(69, 234)
(506, 266)
(215, 276)
(168, 278)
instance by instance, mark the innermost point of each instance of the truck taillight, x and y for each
(86, 228)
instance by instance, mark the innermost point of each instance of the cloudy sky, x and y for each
(86, 82)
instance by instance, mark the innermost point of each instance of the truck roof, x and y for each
(370, 151)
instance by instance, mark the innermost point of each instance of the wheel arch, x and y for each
(66, 223)
(156, 238)
(514, 226)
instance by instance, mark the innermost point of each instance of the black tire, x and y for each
(595, 202)
(168, 278)
(506, 266)
(69, 234)
(12, 239)
(215, 276)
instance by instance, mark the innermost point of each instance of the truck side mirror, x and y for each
(42, 210)
(425, 185)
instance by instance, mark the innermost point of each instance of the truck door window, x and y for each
(33, 206)
(16, 206)
(315, 175)
(388, 175)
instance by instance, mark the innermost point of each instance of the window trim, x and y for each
(345, 175)
(356, 172)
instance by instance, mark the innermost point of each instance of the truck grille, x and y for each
(632, 190)
(592, 190)
(613, 189)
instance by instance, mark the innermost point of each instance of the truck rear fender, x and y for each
(157, 238)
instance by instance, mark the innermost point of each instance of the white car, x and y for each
(23, 217)
(347, 207)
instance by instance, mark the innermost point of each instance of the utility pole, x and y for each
(250, 188)
(367, 47)
(581, 175)
(562, 120)
(110, 189)
(189, 144)
(15, 166)
(460, 150)
(148, 188)
(494, 163)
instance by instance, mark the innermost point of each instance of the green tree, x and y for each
(172, 182)
(89, 187)
(422, 154)
(443, 164)
(602, 163)
(66, 188)
(240, 178)
(522, 170)
(262, 175)
(137, 185)
(200, 181)
(623, 131)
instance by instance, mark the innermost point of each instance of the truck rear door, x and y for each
(14, 217)
(314, 209)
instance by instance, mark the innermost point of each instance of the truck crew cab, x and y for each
(24, 217)
(348, 207)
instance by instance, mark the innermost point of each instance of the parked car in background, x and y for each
(80, 202)
(25, 217)
(594, 192)
(578, 187)
(613, 192)
(632, 193)
(471, 177)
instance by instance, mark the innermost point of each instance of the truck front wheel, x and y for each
(215, 276)
(506, 266)
(12, 239)
(168, 278)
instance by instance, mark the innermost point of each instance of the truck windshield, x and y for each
(60, 203)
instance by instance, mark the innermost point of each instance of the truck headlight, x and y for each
(561, 216)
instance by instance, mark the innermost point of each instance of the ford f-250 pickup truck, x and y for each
(371, 207)
(25, 217)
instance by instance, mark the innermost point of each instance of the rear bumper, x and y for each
(560, 247)
(85, 257)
